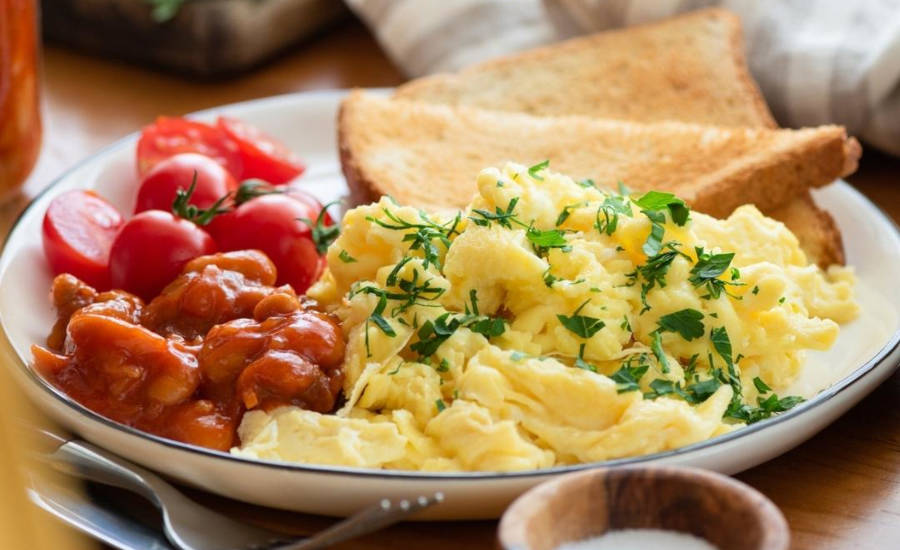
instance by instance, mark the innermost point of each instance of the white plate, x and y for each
(866, 352)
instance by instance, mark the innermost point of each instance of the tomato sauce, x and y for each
(216, 342)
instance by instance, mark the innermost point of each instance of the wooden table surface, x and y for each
(841, 489)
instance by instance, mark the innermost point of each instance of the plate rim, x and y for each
(865, 369)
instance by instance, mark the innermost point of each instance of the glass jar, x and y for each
(20, 122)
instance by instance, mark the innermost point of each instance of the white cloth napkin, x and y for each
(817, 61)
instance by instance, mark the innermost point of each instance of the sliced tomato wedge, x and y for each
(169, 136)
(78, 232)
(263, 156)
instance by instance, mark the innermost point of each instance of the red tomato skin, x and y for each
(169, 136)
(263, 156)
(78, 230)
(158, 188)
(152, 248)
(269, 223)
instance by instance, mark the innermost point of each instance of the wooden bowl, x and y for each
(725, 512)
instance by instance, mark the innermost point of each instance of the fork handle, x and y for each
(85, 460)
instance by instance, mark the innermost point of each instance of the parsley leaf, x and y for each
(533, 170)
(566, 212)
(722, 344)
(656, 348)
(423, 234)
(581, 363)
(686, 322)
(581, 325)
(501, 216)
(440, 405)
(761, 386)
(654, 271)
(434, 333)
(701, 391)
(346, 257)
(707, 270)
(544, 240)
(610, 209)
(657, 200)
(653, 244)
(628, 377)
(488, 326)
(379, 320)
(695, 393)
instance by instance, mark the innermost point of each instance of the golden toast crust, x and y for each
(690, 67)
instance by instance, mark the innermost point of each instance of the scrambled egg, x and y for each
(554, 323)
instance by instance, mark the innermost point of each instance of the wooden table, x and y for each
(841, 489)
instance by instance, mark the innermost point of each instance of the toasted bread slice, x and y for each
(428, 155)
(689, 68)
(816, 230)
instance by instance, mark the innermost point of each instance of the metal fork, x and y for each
(190, 526)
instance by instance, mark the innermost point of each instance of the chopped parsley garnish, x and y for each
(695, 393)
(701, 391)
(781, 300)
(501, 216)
(765, 408)
(656, 348)
(346, 257)
(629, 375)
(755, 289)
(567, 211)
(761, 386)
(543, 240)
(488, 326)
(440, 405)
(654, 271)
(412, 291)
(737, 409)
(443, 366)
(658, 200)
(533, 170)
(587, 182)
(423, 235)
(722, 344)
(581, 363)
(434, 333)
(581, 325)
(549, 278)
(707, 270)
(686, 322)
(654, 204)
(610, 209)
(653, 244)
(378, 318)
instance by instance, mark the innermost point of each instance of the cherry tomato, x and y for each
(263, 156)
(169, 136)
(158, 188)
(79, 228)
(270, 223)
(151, 249)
